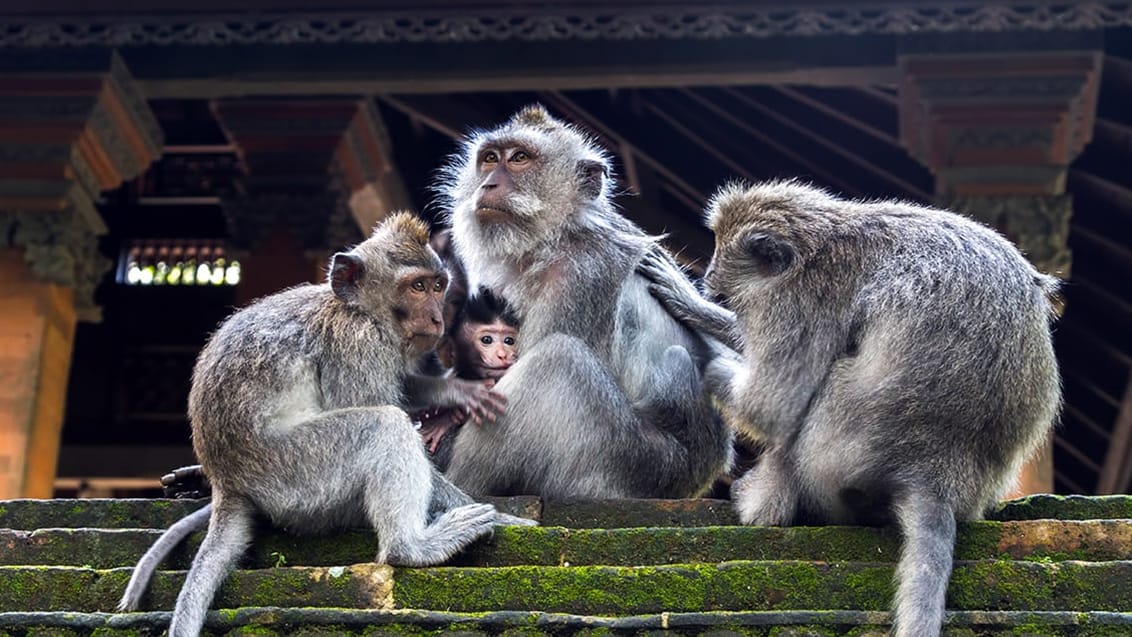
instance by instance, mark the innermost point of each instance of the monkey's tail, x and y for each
(195, 521)
(928, 525)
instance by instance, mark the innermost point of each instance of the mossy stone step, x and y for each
(1094, 540)
(602, 590)
(318, 622)
(159, 513)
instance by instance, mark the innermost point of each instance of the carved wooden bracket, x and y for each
(67, 134)
(998, 124)
(303, 161)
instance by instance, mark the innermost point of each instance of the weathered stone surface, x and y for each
(158, 513)
(307, 621)
(607, 514)
(1095, 540)
(62, 588)
(782, 585)
(95, 513)
(138, 513)
(1065, 507)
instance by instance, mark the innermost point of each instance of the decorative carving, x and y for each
(96, 131)
(532, 25)
(61, 247)
(1038, 225)
(1011, 116)
(318, 220)
(303, 158)
(192, 175)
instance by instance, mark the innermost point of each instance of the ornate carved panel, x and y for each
(65, 136)
(533, 23)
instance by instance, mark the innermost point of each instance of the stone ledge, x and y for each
(1034, 540)
(160, 513)
(606, 590)
(307, 621)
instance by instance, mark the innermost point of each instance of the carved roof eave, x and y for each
(456, 22)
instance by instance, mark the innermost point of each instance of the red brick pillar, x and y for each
(66, 134)
(999, 132)
(317, 176)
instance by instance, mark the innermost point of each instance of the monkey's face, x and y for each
(397, 278)
(419, 307)
(486, 350)
(523, 183)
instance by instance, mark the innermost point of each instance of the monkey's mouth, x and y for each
(423, 341)
(490, 214)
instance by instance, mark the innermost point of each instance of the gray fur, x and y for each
(897, 360)
(295, 410)
(606, 399)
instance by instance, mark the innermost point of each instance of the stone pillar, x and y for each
(316, 171)
(999, 131)
(67, 133)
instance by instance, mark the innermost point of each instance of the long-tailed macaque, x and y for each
(606, 398)
(896, 361)
(297, 416)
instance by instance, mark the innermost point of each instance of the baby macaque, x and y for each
(481, 345)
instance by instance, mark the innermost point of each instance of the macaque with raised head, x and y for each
(297, 416)
(895, 359)
(532, 220)
(481, 346)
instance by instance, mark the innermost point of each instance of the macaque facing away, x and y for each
(895, 359)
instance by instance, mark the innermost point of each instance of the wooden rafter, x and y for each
(1116, 472)
(564, 104)
(837, 149)
(831, 112)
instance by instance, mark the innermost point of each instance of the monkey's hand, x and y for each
(684, 303)
(436, 423)
(478, 399)
(186, 483)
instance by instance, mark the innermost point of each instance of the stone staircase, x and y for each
(1043, 565)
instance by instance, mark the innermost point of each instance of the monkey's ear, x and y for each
(346, 272)
(772, 255)
(593, 173)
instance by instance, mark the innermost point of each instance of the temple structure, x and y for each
(161, 163)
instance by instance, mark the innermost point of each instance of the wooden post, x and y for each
(66, 134)
(998, 131)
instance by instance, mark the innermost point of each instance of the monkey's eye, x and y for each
(509, 340)
(520, 157)
(487, 340)
(489, 157)
(419, 285)
(438, 286)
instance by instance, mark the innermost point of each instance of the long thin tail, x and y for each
(922, 575)
(229, 534)
(195, 521)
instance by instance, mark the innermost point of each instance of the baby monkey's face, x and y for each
(490, 348)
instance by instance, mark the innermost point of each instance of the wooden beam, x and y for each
(1077, 453)
(1080, 417)
(1117, 248)
(849, 156)
(1073, 486)
(422, 117)
(829, 111)
(562, 103)
(541, 80)
(1116, 472)
(698, 140)
(744, 126)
